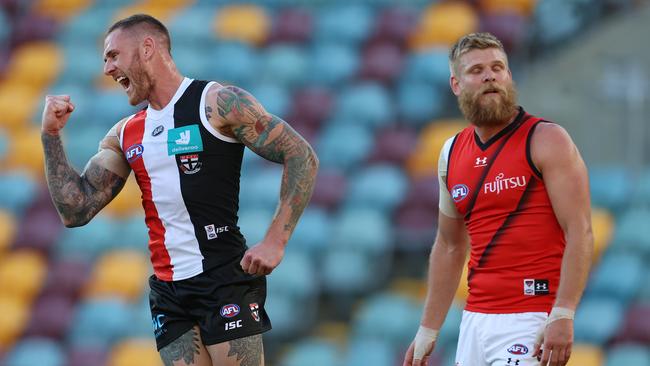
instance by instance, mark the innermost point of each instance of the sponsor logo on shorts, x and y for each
(459, 192)
(134, 152)
(229, 311)
(536, 287)
(158, 323)
(157, 131)
(233, 325)
(255, 312)
(518, 349)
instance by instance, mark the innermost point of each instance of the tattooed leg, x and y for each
(247, 351)
(186, 350)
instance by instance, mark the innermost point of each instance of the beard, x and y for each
(140, 82)
(484, 110)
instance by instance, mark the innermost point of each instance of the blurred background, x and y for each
(366, 82)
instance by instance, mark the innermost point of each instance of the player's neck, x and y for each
(485, 133)
(166, 85)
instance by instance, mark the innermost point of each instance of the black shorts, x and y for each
(223, 312)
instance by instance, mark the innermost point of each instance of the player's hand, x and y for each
(554, 347)
(262, 258)
(56, 113)
(420, 349)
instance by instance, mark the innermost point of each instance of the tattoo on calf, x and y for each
(184, 348)
(248, 350)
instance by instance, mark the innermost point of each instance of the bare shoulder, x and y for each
(550, 142)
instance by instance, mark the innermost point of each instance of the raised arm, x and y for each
(566, 180)
(78, 198)
(237, 113)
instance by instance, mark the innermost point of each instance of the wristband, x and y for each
(558, 313)
(424, 339)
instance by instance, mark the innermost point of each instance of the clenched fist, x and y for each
(56, 113)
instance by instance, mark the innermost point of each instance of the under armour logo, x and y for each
(513, 362)
(481, 161)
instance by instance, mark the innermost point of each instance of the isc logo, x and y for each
(229, 311)
(233, 325)
(134, 152)
(459, 192)
(518, 349)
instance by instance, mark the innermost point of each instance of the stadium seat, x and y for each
(312, 231)
(41, 214)
(523, 8)
(332, 64)
(373, 239)
(22, 154)
(36, 64)
(636, 327)
(118, 274)
(311, 105)
(395, 24)
(602, 224)
(19, 190)
(254, 222)
(632, 234)
(88, 241)
(381, 187)
(443, 23)
(557, 20)
(14, 315)
(128, 202)
(17, 101)
(261, 188)
(313, 352)
(283, 65)
(393, 145)
(5, 28)
(347, 23)
(187, 62)
(134, 352)
(234, 63)
(610, 186)
(367, 104)
(361, 351)
(608, 311)
(419, 102)
(583, 354)
(334, 151)
(190, 26)
(8, 230)
(87, 28)
(99, 323)
(22, 274)
(606, 277)
(382, 62)
(330, 188)
(275, 99)
(371, 320)
(424, 160)
(245, 23)
(415, 228)
(84, 356)
(292, 25)
(346, 273)
(134, 234)
(429, 66)
(66, 277)
(37, 351)
(628, 354)
(50, 317)
(282, 311)
(60, 9)
(295, 277)
(33, 27)
(643, 187)
(509, 27)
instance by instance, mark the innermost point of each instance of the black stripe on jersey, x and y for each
(492, 159)
(211, 193)
(518, 121)
(529, 157)
(506, 223)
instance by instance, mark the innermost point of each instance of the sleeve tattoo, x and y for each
(248, 350)
(77, 198)
(273, 139)
(185, 348)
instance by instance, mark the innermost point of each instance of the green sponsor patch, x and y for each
(184, 140)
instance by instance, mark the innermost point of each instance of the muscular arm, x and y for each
(238, 114)
(78, 198)
(566, 180)
(445, 268)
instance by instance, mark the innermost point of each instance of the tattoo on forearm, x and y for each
(185, 348)
(273, 139)
(75, 197)
(248, 350)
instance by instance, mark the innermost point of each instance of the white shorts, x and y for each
(498, 339)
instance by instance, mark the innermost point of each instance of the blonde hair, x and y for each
(472, 41)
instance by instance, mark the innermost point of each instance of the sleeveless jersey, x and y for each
(189, 177)
(516, 241)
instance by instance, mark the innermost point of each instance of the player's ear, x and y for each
(147, 48)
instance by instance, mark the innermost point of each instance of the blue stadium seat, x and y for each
(261, 188)
(192, 25)
(113, 108)
(557, 20)
(274, 98)
(419, 102)
(294, 277)
(643, 187)
(312, 231)
(380, 187)
(313, 352)
(82, 63)
(606, 278)
(364, 230)
(335, 150)
(100, 323)
(632, 233)
(362, 351)
(628, 354)
(233, 63)
(253, 223)
(284, 65)
(5, 28)
(450, 330)
(345, 272)
(190, 64)
(36, 351)
(84, 145)
(18, 191)
(367, 104)
(287, 321)
(332, 63)
(134, 234)
(372, 320)
(431, 66)
(88, 26)
(344, 23)
(609, 314)
(610, 186)
(89, 241)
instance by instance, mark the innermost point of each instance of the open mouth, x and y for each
(492, 91)
(124, 81)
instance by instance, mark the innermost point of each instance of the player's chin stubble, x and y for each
(495, 112)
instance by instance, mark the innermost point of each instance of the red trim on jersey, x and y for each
(133, 134)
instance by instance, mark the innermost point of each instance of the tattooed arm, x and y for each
(78, 198)
(240, 115)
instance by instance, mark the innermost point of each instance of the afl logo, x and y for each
(134, 152)
(229, 311)
(459, 192)
(518, 349)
